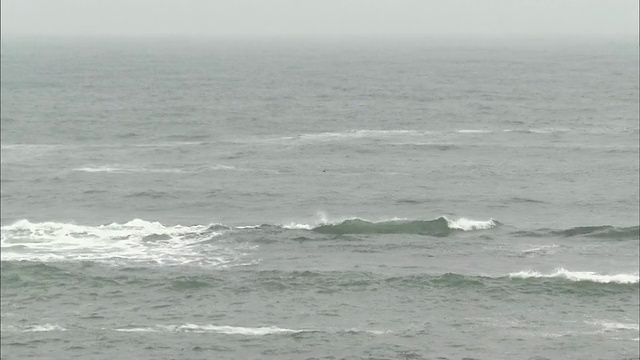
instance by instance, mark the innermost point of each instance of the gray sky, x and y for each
(320, 17)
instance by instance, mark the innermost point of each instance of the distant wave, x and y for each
(17, 274)
(539, 250)
(437, 227)
(33, 328)
(134, 170)
(112, 169)
(354, 134)
(524, 281)
(30, 146)
(600, 232)
(232, 330)
(395, 134)
(237, 330)
(538, 130)
(606, 231)
(473, 131)
(580, 276)
(615, 326)
(42, 328)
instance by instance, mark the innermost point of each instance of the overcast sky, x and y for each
(319, 17)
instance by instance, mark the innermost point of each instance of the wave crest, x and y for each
(437, 227)
(598, 232)
(605, 231)
(580, 276)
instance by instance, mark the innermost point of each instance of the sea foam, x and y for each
(239, 330)
(43, 328)
(134, 241)
(231, 330)
(580, 276)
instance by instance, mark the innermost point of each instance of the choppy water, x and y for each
(329, 199)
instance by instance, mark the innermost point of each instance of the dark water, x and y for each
(290, 199)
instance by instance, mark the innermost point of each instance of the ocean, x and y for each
(325, 198)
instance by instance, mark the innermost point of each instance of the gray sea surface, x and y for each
(319, 199)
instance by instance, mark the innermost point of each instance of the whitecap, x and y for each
(126, 170)
(240, 330)
(615, 326)
(296, 226)
(580, 276)
(473, 131)
(43, 328)
(539, 250)
(98, 169)
(230, 330)
(358, 134)
(470, 224)
(136, 330)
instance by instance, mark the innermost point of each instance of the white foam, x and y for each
(472, 131)
(135, 241)
(90, 169)
(580, 276)
(45, 327)
(296, 226)
(225, 167)
(613, 326)
(231, 330)
(547, 130)
(135, 170)
(373, 332)
(538, 130)
(238, 330)
(357, 134)
(136, 330)
(321, 219)
(544, 249)
(469, 224)
(125, 170)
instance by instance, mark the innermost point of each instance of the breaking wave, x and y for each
(580, 276)
(137, 241)
(154, 243)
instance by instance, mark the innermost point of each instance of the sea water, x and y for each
(319, 199)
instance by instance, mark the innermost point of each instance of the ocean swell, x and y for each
(596, 231)
(604, 232)
(437, 227)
